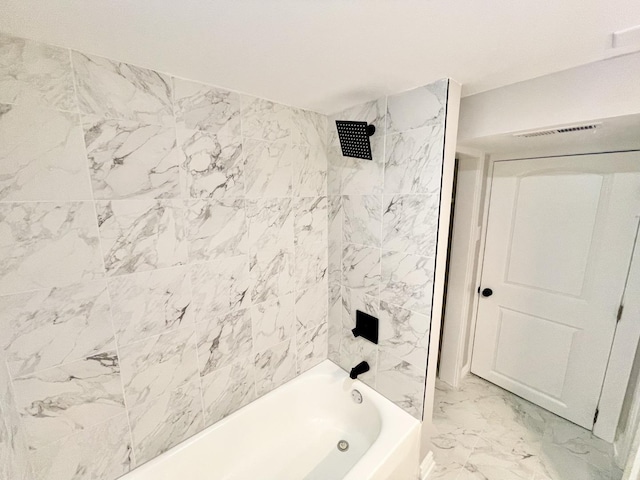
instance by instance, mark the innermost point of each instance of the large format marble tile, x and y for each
(334, 319)
(274, 366)
(362, 219)
(420, 107)
(486, 461)
(32, 72)
(404, 334)
(44, 245)
(131, 160)
(216, 228)
(63, 400)
(272, 274)
(451, 446)
(310, 264)
(413, 161)
(361, 268)
(364, 177)
(100, 452)
(265, 120)
(220, 286)
(335, 163)
(270, 223)
(308, 128)
(410, 224)
(564, 440)
(165, 421)
(213, 164)
(41, 155)
(49, 327)
(310, 220)
(139, 235)
(117, 90)
(158, 365)
(228, 389)
(205, 107)
(269, 168)
(402, 383)
(310, 171)
(311, 306)
(311, 345)
(272, 322)
(407, 281)
(222, 339)
(334, 227)
(14, 462)
(150, 303)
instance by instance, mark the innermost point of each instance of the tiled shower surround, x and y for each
(171, 251)
(163, 258)
(383, 226)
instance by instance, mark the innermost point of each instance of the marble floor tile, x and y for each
(514, 439)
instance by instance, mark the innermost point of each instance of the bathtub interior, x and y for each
(291, 433)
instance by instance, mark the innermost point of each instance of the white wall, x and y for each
(604, 89)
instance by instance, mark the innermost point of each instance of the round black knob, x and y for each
(487, 292)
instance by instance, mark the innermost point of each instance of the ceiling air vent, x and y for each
(556, 131)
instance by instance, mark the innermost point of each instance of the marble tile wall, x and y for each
(163, 258)
(383, 221)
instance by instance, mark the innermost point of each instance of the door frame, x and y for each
(453, 366)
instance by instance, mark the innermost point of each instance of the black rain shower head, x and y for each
(354, 138)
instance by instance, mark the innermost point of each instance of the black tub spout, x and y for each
(359, 369)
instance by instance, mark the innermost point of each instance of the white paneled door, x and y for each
(559, 240)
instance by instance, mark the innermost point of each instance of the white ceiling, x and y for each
(326, 55)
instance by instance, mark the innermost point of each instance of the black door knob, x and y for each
(487, 292)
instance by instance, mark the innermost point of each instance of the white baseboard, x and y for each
(427, 466)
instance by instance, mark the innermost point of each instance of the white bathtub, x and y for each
(292, 434)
